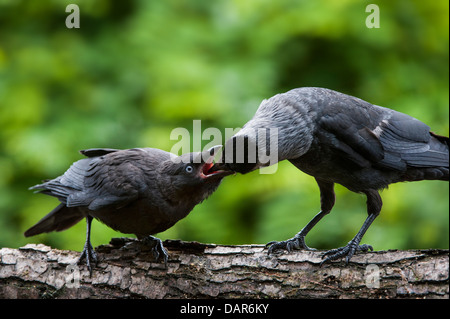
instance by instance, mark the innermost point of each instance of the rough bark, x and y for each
(126, 269)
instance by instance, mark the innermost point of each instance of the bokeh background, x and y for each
(136, 70)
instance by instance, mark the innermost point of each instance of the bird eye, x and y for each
(189, 169)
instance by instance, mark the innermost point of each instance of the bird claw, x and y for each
(295, 243)
(347, 251)
(157, 249)
(89, 254)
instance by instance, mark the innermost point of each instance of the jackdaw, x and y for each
(142, 191)
(337, 138)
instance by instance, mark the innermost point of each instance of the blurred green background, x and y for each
(135, 70)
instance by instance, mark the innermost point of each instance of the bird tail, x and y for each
(60, 218)
(443, 147)
(433, 164)
(443, 139)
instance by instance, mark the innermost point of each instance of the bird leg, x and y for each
(157, 248)
(88, 252)
(352, 246)
(374, 204)
(327, 199)
(298, 241)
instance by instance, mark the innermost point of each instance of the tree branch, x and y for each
(126, 269)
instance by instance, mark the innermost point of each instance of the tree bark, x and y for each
(126, 269)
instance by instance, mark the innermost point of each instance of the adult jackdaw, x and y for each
(341, 139)
(141, 191)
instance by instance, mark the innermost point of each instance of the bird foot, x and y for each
(157, 248)
(346, 251)
(89, 254)
(297, 242)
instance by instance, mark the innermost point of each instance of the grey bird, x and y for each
(142, 191)
(337, 138)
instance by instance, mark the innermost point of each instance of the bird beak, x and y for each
(209, 168)
(213, 151)
(221, 165)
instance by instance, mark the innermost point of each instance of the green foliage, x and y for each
(135, 70)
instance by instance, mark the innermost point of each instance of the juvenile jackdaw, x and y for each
(142, 191)
(341, 139)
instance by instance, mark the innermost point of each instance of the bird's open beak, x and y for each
(210, 169)
(221, 166)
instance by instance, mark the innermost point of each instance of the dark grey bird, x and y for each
(142, 191)
(337, 138)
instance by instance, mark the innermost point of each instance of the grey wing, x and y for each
(71, 182)
(370, 135)
(407, 142)
(109, 181)
(346, 126)
(97, 182)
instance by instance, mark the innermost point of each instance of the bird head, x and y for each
(199, 166)
(193, 174)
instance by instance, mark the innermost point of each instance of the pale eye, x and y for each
(189, 169)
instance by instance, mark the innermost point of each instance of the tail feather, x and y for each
(53, 188)
(443, 139)
(432, 164)
(60, 218)
(437, 154)
(431, 173)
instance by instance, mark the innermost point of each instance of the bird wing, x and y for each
(72, 181)
(370, 135)
(113, 180)
(346, 125)
(66, 185)
(408, 141)
(110, 178)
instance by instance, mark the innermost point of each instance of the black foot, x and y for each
(89, 254)
(158, 249)
(297, 242)
(346, 251)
